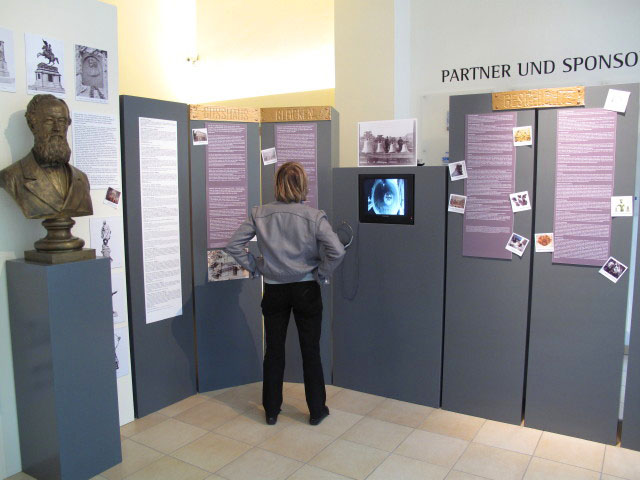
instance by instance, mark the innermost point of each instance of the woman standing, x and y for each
(299, 249)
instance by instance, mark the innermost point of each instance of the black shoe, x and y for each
(272, 419)
(317, 420)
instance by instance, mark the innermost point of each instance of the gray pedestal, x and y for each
(63, 360)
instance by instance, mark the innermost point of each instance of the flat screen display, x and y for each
(386, 198)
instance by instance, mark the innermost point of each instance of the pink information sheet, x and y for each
(297, 142)
(491, 177)
(585, 165)
(227, 192)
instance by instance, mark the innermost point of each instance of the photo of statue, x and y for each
(7, 62)
(108, 239)
(91, 74)
(47, 75)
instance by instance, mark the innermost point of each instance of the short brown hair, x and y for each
(291, 183)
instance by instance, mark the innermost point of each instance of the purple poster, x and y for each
(585, 165)
(491, 170)
(227, 193)
(297, 142)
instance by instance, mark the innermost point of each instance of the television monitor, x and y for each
(386, 198)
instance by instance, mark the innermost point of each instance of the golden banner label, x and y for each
(295, 114)
(224, 114)
(541, 98)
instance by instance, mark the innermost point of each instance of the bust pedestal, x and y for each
(63, 360)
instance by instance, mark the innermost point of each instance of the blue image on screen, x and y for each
(385, 196)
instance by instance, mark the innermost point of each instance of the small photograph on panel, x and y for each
(121, 357)
(517, 244)
(107, 239)
(613, 269)
(200, 136)
(457, 203)
(221, 266)
(622, 206)
(7, 62)
(112, 198)
(544, 242)
(44, 57)
(269, 156)
(388, 143)
(520, 201)
(92, 75)
(458, 171)
(617, 100)
(522, 136)
(118, 297)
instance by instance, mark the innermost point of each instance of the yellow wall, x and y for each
(297, 99)
(247, 48)
(364, 43)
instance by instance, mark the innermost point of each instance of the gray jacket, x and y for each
(294, 240)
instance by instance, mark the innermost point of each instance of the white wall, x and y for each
(467, 33)
(85, 22)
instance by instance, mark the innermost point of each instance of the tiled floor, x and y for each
(223, 435)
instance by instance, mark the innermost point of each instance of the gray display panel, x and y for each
(388, 293)
(327, 155)
(64, 368)
(228, 316)
(577, 315)
(486, 299)
(631, 419)
(163, 354)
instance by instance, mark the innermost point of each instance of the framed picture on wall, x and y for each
(389, 143)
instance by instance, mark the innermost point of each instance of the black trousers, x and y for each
(305, 299)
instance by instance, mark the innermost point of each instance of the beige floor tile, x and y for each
(169, 468)
(335, 424)
(453, 424)
(398, 467)
(169, 436)
(378, 434)
(510, 437)
(97, 477)
(211, 452)
(621, 462)
(141, 424)
(402, 413)
(542, 469)
(208, 415)
(295, 405)
(20, 476)
(455, 475)
(297, 442)
(214, 477)
(251, 427)
(314, 473)
(432, 448)
(240, 399)
(610, 477)
(134, 457)
(349, 459)
(332, 390)
(573, 451)
(493, 463)
(297, 390)
(354, 402)
(182, 405)
(259, 464)
(215, 393)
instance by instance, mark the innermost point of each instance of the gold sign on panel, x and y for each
(295, 114)
(224, 114)
(540, 98)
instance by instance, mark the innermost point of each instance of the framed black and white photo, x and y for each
(44, 58)
(92, 74)
(7, 61)
(391, 143)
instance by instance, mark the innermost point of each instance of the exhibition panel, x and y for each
(578, 316)
(155, 166)
(631, 419)
(487, 288)
(388, 293)
(225, 184)
(308, 135)
(63, 358)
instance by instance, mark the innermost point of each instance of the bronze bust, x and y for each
(43, 183)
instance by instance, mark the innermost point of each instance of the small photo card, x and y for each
(200, 136)
(544, 242)
(269, 156)
(517, 244)
(613, 269)
(457, 203)
(522, 136)
(112, 198)
(622, 206)
(617, 100)
(520, 201)
(458, 170)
